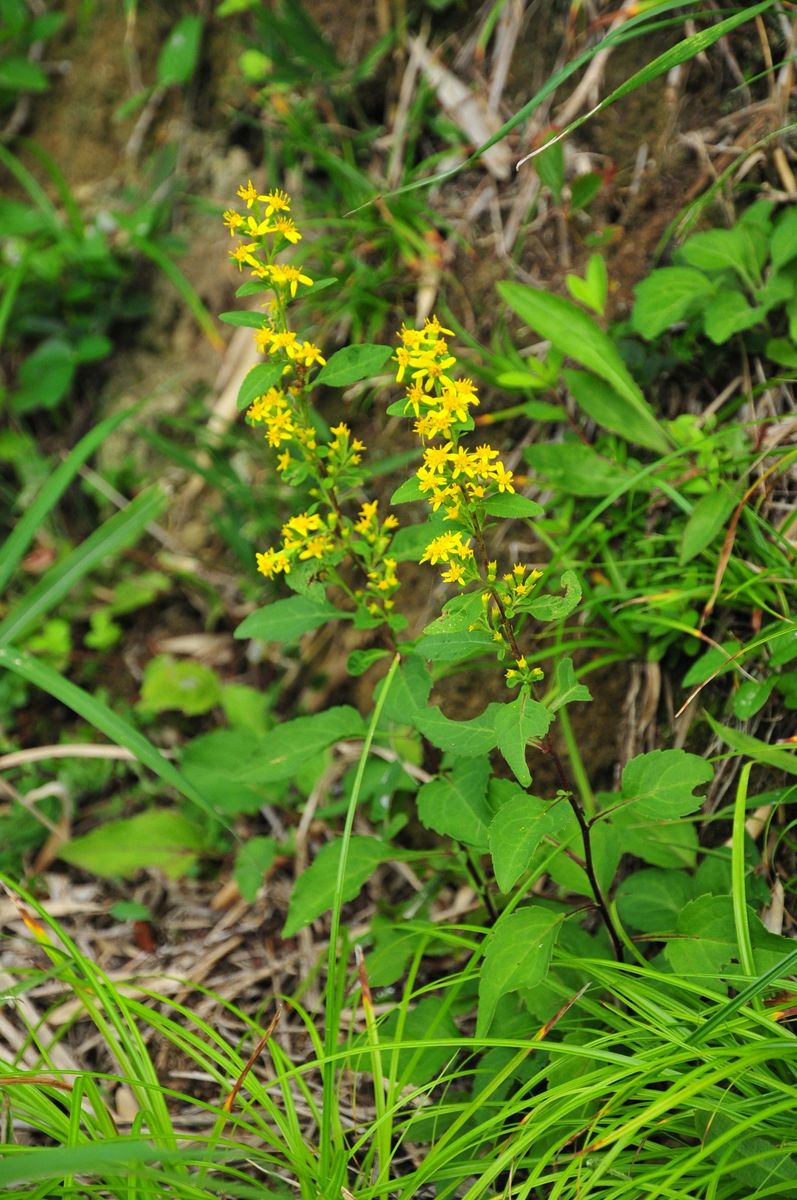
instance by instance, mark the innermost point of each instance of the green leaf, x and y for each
(18, 74)
(243, 320)
(429, 1021)
(593, 289)
(104, 1158)
(779, 758)
(568, 689)
(751, 696)
(607, 850)
(285, 749)
(456, 805)
(706, 940)
(178, 685)
(511, 505)
(518, 955)
(212, 762)
(118, 532)
(407, 492)
(465, 738)
(45, 377)
(738, 250)
(575, 468)
(287, 620)
(353, 363)
(661, 784)
(454, 647)
(729, 313)
(612, 411)
(314, 890)
(359, 661)
(179, 55)
(660, 843)
(667, 296)
(515, 725)
(709, 515)
(13, 548)
(258, 381)
(715, 661)
(783, 244)
(159, 837)
(573, 332)
(651, 901)
(516, 831)
(103, 718)
(553, 608)
(251, 863)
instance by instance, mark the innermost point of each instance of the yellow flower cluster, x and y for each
(329, 463)
(451, 477)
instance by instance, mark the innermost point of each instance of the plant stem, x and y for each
(586, 838)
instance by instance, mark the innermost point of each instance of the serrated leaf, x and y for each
(667, 296)
(515, 725)
(706, 519)
(511, 505)
(568, 689)
(314, 890)
(651, 901)
(287, 620)
(456, 805)
(518, 955)
(570, 330)
(516, 831)
(738, 250)
(729, 313)
(353, 363)
(409, 691)
(284, 750)
(158, 838)
(465, 738)
(661, 784)
(660, 843)
(251, 863)
(454, 647)
(258, 381)
(553, 608)
(212, 761)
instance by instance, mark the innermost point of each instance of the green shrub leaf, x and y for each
(455, 805)
(661, 784)
(257, 382)
(667, 296)
(251, 863)
(515, 725)
(286, 620)
(315, 888)
(518, 955)
(353, 363)
(708, 517)
(516, 831)
(465, 738)
(284, 750)
(159, 838)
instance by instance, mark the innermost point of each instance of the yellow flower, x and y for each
(232, 220)
(445, 547)
(454, 574)
(249, 193)
(243, 254)
(290, 277)
(286, 227)
(276, 201)
(306, 354)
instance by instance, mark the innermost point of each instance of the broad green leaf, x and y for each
(781, 758)
(252, 861)
(178, 685)
(464, 738)
(455, 805)
(574, 333)
(714, 662)
(783, 351)
(407, 492)
(115, 534)
(660, 843)
(284, 750)
(511, 505)
(258, 381)
(611, 411)
(179, 54)
(454, 647)
(593, 289)
(410, 541)
(751, 696)
(783, 245)
(515, 725)
(577, 469)
(14, 547)
(705, 941)
(393, 946)
(314, 890)
(286, 620)
(45, 376)
(608, 848)
(158, 838)
(409, 691)
(709, 516)
(518, 955)
(667, 296)
(661, 784)
(18, 74)
(212, 762)
(568, 689)
(651, 901)
(729, 313)
(516, 831)
(553, 608)
(741, 250)
(353, 363)
(459, 613)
